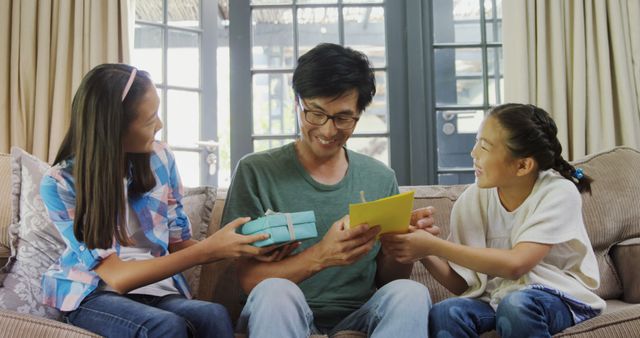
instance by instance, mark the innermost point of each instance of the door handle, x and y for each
(212, 158)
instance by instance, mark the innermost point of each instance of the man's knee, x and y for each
(276, 289)
(277, 293)
(407, 291)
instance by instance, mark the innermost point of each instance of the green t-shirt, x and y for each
(275, 179)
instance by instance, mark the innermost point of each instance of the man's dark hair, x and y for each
(330, 70)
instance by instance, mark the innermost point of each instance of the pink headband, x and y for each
(129, 83)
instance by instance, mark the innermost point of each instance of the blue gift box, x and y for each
(277, 226)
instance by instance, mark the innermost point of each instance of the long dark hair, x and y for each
(533, 133)
(99, 120)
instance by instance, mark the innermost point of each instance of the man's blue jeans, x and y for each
(524, 313)
(277, 308)
(112, 315)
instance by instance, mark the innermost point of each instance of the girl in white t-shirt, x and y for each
(518, 252)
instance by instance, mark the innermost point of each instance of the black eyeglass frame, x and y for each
(327, 117)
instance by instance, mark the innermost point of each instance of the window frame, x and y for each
(207, 89)
(411, 101)
(242, 72)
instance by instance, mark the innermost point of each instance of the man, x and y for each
(330, 283)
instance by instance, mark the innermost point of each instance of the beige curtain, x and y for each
(580, 61)
(46, 46)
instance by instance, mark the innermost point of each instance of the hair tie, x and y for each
(129, 83)
(578, 174)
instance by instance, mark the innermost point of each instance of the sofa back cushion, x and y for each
(222, 284)
(442, 198)
(612, 212)
(219, 282)
(35, 242)
(611, 215)
(198, 204)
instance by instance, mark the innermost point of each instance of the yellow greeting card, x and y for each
(392, 213)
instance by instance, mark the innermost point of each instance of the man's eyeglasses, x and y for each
(318, 118)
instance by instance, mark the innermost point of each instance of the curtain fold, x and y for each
(45, 49)
(580, 61)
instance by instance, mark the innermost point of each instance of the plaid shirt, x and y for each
(159, 211)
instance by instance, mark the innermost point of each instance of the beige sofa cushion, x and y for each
(607, 223)
(442, 198)
(35, 243)
(198, 205)
(625, 257)
(611, 213)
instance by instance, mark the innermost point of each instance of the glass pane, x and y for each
(364, 31)
(456, 134)
(456, 178)
(149, 10)
(493, 9)
(273, 109)
(184, 13)
(183, 59)
(302, 2)
(188, 167)
(224, 111)
(270, 2)
(361, 1)
(317, 25)
(147, 51)
(374, 119)
(183, 118)
(494, 31)
(493, 20)
(496, 88)
(376, 147)
(496, 91)
(160, 107)
(272, 33)
(458, 78)
(456, 21)
(465, 122)
(262, 145)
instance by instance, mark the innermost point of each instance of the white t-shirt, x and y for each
(141, 250)
(551, 214)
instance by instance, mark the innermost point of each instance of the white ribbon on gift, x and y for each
(292, 233)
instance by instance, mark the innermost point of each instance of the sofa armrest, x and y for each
(15, 324)
(625, 255)
(4, 256)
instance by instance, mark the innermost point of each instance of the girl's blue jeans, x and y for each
(524, 313)
(112, 315)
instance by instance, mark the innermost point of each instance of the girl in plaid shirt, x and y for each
(114, 194)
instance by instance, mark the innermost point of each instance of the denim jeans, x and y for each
(112, 315)
(524, 313)
(277, 308)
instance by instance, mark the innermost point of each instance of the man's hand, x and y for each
(278, 252)
(343, 246)
(422, 219)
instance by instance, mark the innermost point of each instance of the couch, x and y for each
(611, 213)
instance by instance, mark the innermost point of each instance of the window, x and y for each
(468, 79)
(262, 67)
(438, 67)
(170, 37)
